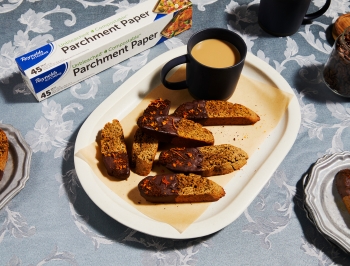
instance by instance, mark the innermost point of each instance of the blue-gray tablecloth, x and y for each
(52, 221)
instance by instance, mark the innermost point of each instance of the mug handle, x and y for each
(170, 65)
(318, 13)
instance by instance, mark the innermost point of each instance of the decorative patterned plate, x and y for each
(221, 213)
(323, 203)
(17, 168)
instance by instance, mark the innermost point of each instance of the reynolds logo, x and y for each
(37, 54)
(32, 58)
(48, 78)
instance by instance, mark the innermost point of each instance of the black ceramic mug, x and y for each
(284, 17)
(203, 81)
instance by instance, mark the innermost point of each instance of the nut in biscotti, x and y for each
(179, 188)
(4, 148)
(176, 130)
(215, 112)
(113, 149)
(206, 161)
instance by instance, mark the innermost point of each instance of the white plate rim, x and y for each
(24, 155)
(100, 194)
(313, 198)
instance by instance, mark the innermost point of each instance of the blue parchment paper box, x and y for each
(60, 64)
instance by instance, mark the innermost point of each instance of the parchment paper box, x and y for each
(69, 60)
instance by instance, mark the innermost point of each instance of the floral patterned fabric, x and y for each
(52, 221)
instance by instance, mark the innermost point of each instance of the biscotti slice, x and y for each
(144, 147)
(176, 130)
(215, 112)
(158, 107)
(179, 188)
(4, 148)
(113, 149)
(342, 181)
(206, 161)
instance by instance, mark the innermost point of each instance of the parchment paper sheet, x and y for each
(268, 102)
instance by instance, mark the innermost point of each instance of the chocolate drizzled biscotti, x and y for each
(176, 130)
(215, 112)
(158, 107)
(342, 182)
(4, 148)
(179, 188)
(113, 149)
(206, 161)
(144, 147)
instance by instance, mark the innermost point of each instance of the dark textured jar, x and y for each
(336, 72)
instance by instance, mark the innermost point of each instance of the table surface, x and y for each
(52, 221)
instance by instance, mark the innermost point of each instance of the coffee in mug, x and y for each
(216, 53)
(214, 62)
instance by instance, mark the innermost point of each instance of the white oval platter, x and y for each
(262, 164)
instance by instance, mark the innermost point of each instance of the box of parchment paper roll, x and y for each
(82, 54)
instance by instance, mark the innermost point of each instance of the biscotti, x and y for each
(144, 150)
(215, 112)
(179, 188)
(176, 130)
(342, 181)
(158, 107)
(144, 147)
(113, 149)
(206, 161)
(4, 148)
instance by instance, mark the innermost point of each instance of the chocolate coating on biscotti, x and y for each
(144, 147)
(158, 107)
(342, 182)
(194, 110)
(176, 130)
(206, 161)
(216, 112)
(187, 160)
(179, 188)
(159, 186)
(162, 127)
(117, 165)
(113, 150)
